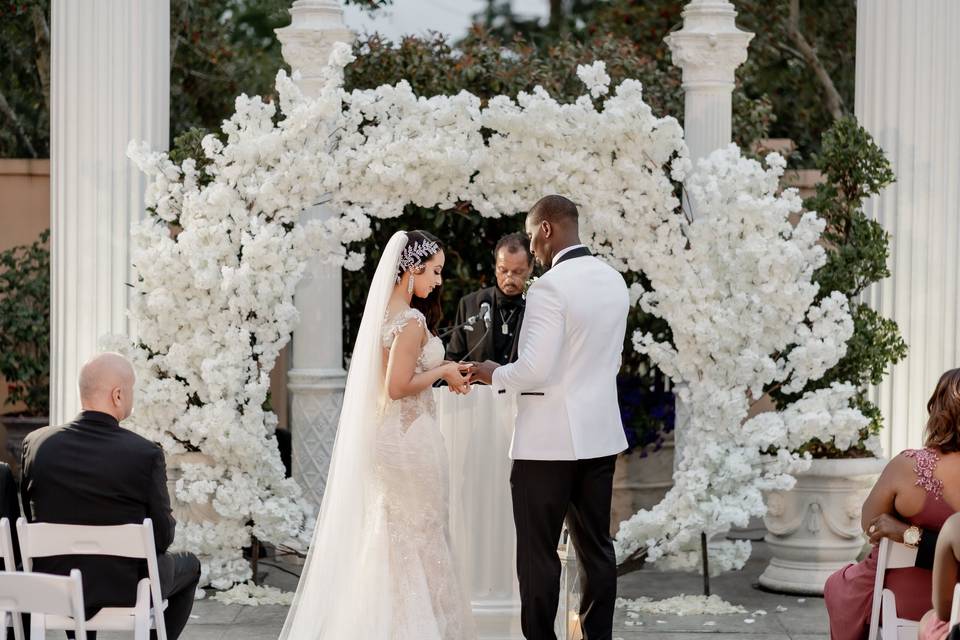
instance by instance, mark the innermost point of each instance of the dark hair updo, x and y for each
(421, 246)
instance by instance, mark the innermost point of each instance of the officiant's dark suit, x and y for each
(92, 471)
(513, 267)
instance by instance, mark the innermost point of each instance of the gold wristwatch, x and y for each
(911, 537)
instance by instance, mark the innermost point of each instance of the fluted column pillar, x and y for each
(110, 83)
(317, 378)
(908, 98)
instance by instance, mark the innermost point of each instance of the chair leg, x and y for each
(38, 627)
(141, 629)
(18, 626)
(888, 616)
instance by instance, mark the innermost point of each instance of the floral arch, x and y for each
(219, 256)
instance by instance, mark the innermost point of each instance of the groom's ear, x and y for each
(547, 228)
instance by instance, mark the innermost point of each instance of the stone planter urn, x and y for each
(184, 511)
(814, 529)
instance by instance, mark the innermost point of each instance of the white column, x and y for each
(708, 48)
(317, 379)
(908, 97)
(110, 83)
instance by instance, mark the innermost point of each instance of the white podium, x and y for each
(477, 430)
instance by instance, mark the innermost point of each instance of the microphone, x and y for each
(485, 312)
(467, 324)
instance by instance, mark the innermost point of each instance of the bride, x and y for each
(380, 566)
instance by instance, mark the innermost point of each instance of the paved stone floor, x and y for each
(802, 619)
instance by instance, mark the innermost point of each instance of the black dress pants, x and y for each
(544, 493)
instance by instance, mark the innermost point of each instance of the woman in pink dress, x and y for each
(917, 491)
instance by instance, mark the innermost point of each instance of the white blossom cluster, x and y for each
(216, 267)
(682, 605)
(218, 262)
(735, 286)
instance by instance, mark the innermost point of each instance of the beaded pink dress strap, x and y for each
(925, 462)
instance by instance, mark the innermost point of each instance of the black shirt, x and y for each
(482, 344)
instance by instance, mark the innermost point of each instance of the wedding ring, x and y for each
(872, 529)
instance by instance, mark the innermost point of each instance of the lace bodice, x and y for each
(431, 355)
(432, 352)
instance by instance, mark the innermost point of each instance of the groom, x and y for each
(568, 430)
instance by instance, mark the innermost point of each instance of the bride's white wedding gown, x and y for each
(380, 564)
(412, 473)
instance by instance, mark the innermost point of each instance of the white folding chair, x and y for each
(42, 596)
(883, 617)
(955, 607)
(44, 539)
(10, 618)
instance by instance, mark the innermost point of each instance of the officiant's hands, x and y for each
(457, 376)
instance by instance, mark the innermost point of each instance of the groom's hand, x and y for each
(483, 371)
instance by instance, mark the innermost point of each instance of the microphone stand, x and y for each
(469, 322)
(486, 330)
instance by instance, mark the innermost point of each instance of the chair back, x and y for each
(44, 539)
(43, 594)
(891, 555)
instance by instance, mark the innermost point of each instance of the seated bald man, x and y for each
(92, 471)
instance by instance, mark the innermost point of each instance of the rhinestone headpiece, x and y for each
(414, 254)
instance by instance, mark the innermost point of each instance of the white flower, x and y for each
(682, 605)
(595, 77)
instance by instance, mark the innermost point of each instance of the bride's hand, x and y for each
(452, 373)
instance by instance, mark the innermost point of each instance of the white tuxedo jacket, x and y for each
(570, 347)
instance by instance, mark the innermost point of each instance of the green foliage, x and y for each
(854, 168)
(487, 66)
(189, 144)
(776, 87)
(25, 81)
(25, 324)
(777, 70)
(220, 50)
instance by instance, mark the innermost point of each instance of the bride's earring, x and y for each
(410, 284)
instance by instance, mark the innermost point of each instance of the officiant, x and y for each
(513, 266)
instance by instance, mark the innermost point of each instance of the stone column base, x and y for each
(316, 396)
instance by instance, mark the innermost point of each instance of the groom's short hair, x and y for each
(555, 209)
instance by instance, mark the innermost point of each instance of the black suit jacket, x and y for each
(462, 342)
(92, 471)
